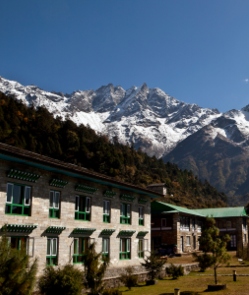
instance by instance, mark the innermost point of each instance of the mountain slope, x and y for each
(213, 145)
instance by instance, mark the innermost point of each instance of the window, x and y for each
(18, 199)
(184, 223)
(188, 241)
(163, 222)
(54, 204)
(140, 248)
(105, 247)
(125, 246)
(141, 215)
(18, 243)
(80, 246)
(125, 213)
(52, 251)
(82, 208)
(106, 211)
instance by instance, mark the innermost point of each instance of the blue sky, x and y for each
(194, 50)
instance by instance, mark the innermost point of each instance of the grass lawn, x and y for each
(198, 282)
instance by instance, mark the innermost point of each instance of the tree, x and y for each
(213, 247)
(154, 266)
(128, 278)
(66, 280)
(17, 274)
(94, 270)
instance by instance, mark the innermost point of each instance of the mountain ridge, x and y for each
(214, 145)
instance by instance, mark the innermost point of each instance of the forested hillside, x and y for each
(38, 131)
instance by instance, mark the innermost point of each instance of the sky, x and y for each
(194, 50)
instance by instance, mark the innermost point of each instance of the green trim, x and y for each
(109, 194)
(126, 233)
(58, 183)
(84, 231)
(18, 228)
(22, 175)
(127, 198)
(142, 201)
(142, 233)
(85, 188)
(107, 232)
(54, 230)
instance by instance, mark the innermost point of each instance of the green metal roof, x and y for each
(223, 212)
(165, 208)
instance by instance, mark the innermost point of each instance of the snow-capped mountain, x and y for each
(214, 145)
(147, 118)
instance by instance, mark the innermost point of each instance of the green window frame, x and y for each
(52, 251)
(105, 247)
(125, 249)
(54, 204)
(82, 208)
(141, 215)
(18, 199)
(125, 213)
(106, 211)
(79, 248)
(141, 248)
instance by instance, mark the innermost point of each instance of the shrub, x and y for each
(204, 260)
(154, 266)
(175, 271)
(128, 278)
(66, 280)
(17, 274)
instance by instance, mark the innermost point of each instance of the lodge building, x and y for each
(53, 209)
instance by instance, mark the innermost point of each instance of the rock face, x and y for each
(212, 144)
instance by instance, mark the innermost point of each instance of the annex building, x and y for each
(53, 209)
(181, 227)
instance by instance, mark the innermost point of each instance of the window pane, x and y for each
(76, 247)
(17, 195)
(9, 192)
(27, 193)
(81, 204)
(48, 247)
(51, 199)
(87, 204)
(77, 203)
(54, 245)
(57, 200)
(128, 210)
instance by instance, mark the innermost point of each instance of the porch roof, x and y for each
(223, 212)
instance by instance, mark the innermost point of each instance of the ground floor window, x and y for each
(105, 247)
(125, 248)
(80, 246)
(141, 248)
(52, 251)
(233, 241)
(18, 243)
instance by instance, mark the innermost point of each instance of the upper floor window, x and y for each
(106, 211)
(141, 215)
(79, 249)
(82, 208)
(54, 204)
(125, 213)
(184, 223)
(52, 251)
(18, 199)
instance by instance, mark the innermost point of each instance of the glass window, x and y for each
(140, 248)
(82, 208)
(54, 204)
(188, 240)
(106, 211)
(52, 251)
(105, 247)
(79, 249)
(125, 213)
(141, 215)
(125, 246)
(18, 199)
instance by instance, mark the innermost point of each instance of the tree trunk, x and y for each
(215, 275)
